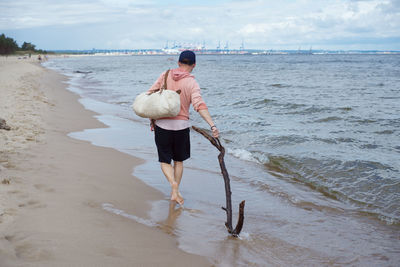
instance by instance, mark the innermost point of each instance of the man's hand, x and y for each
(215, 132)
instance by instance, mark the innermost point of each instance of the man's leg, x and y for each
(178, 171)
(168, 171)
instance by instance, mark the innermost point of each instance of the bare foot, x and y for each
(179, 194)
(175, 195)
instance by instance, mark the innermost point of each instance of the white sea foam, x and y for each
(243, 154)
(244, 236)
(388, 220)
(110, 208)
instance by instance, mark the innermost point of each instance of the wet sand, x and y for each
(53, 188)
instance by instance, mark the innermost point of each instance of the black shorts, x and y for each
(173, 145)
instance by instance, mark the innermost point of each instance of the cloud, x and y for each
(260, 23)
(24, 14)
(332, 20)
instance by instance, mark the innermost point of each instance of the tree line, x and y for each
(9, 46)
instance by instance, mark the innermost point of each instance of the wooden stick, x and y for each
(228, 209)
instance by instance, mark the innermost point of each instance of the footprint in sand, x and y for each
(5, 181)
(19, 193)
(32, 204)
(110, 252)
(30, 252)
(91, 204)
(14, 192)
(44, 188)
(7, 215)
(25, 250)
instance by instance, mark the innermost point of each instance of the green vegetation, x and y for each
(9, 46)
(28, 46)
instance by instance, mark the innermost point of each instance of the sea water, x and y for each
(313, 146)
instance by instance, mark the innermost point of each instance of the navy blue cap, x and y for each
(187, 57)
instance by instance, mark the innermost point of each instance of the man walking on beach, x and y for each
(172, 134)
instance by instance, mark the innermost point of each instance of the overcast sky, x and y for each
(260, 24)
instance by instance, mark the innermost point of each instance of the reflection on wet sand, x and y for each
(169, 224)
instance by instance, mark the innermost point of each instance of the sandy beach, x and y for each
(52, 187)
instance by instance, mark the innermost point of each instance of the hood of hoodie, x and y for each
(178, 74)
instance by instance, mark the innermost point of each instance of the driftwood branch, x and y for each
(228, 209)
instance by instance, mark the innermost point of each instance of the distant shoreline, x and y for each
(160, 52)
(223, 52)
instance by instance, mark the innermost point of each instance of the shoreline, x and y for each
(52, 209)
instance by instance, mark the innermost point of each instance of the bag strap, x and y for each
(164, 87)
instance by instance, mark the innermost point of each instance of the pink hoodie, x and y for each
(179, 79)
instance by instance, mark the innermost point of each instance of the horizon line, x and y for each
(222, 50)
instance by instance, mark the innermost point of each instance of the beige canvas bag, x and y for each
(159, 104)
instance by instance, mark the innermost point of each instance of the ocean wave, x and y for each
(262, 102)
(361, 184)
(283, 140)
(243, 154)
(309, 110)
(362, 121)
(279, 85)
(385, 132)
(345, 108)
(329, 119)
